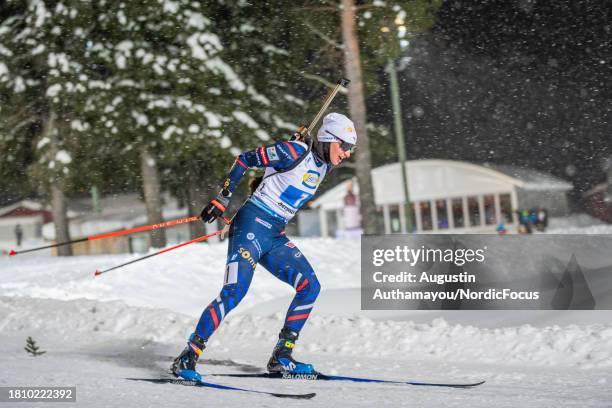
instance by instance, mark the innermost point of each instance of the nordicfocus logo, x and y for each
(294, 376)
(246, 254)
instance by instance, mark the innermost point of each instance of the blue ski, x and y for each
(201, 383)
(324, 377)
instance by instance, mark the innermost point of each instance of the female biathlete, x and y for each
(294, 171)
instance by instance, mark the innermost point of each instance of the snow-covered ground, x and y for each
(130, 323)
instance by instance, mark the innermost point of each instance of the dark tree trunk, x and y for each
(58, 198)
(352, 66)
(152, 196)
(60, 219)
(194, 206)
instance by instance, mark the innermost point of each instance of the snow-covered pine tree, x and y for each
(268, 108)
(43, 82)
(161, 85)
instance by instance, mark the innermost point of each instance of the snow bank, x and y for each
(78, 320)
(572, 346)
(582, 346)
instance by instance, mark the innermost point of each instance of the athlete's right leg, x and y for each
(238, 276)
(241, 260)
(243, 254)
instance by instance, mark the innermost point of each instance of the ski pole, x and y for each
(165, 224)
(199, 239)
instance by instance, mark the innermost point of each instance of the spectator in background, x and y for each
(350, 212)
(533, 218)
(542, 219)
(525, 226)
(501, 228)
(18, 234)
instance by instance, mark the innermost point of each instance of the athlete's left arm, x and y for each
(279, 155)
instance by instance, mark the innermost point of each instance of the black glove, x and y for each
(216, 207)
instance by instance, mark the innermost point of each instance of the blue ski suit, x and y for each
(257, 235)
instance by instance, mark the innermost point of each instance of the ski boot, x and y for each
(185, 364)
(281, 360)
